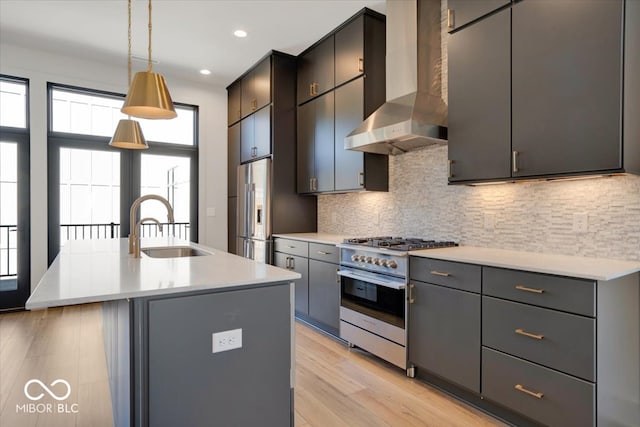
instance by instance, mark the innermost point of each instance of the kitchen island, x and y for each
(191, 340)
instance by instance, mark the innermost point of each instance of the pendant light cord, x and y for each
(149, 65)
(129, 50)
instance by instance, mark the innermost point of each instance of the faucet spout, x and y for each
(134, 235)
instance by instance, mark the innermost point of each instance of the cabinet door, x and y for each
(324, 293)
(233, 159)
(305, 150)
(262, 133)
(464, 11)
(315, 70)
(479, 100)
(247, 138)
(247, 95)
(566, 83)
(444, 333)
(349, 51)
(233, 103)
(299, 265)
(323, 147)
(262, 83)
(349, 165)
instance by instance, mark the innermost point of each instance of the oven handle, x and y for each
(371, 280)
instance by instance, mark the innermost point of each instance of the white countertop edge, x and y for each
(600, 269)
(324, 238)
(40, 305)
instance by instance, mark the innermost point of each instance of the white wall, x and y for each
(41, 67)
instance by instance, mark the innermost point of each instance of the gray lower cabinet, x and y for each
(324, 294)
(163, 371)
(299, 265)
(444, 333)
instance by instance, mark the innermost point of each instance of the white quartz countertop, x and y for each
(563, 265)
(329, 239)
(102, 270)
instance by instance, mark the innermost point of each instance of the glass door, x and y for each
(14, 220)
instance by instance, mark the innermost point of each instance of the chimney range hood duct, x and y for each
(419, 117)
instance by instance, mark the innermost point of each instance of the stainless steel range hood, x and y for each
(414, 66)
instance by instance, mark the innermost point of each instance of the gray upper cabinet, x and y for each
(256, 88)
(315, 145)
(315, 70)
(255, 136)
(349, 51)
(444, 333)
(567, 87)
(233, 103)
(349, 113)
(480, 100)
(536, 91)
(461, 12)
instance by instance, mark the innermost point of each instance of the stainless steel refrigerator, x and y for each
(254, 210)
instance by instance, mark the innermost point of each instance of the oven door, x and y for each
(375, 296)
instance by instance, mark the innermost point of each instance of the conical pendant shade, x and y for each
(129, 135)
(149, 97)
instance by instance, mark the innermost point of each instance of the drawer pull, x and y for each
(324, 253)
(291, 247)
(528, 334)
(521, 388)
(524, 288)
(440, 273)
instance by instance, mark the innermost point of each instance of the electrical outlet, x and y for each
(211, 211)
(489, 221)
(580, 222)
(226, 340)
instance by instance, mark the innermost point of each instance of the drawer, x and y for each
(560, 293)
(446, 273)
(322, 252)
(562, 400)
(293, 247)
(558, 340)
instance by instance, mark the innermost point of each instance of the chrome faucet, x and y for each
(134, 227)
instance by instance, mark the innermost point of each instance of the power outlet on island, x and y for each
(226, 340)
(580, 222)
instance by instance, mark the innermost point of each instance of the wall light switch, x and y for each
(489, 221)
(211, 211)
(226, 340)
(580, 222)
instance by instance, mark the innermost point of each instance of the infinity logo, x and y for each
(52, 394)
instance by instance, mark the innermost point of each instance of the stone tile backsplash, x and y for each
(530, 216)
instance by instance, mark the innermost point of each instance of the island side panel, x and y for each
(180, 381)
(618, 328)
(116, 330)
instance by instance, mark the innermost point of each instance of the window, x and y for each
(14, 193)
(95, 184)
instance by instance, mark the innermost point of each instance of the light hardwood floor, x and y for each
(335, 386)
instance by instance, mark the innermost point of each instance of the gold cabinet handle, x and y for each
(291, 247)
(361, 179)
(532, 290)
(254, 104)
(514, 161)
(254, 151)
(411, 298)
(521, 388)
(528, 334)
(360, 65)
(287, 263)
(451, 18)
(439, 273)
(449, 166)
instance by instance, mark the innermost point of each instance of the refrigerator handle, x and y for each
(252, 204)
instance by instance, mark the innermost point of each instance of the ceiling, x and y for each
(187, 35)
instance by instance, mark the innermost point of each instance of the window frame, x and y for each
(130, 166)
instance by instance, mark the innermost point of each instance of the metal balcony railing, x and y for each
(8, 250)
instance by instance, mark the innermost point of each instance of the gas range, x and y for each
(386, 255)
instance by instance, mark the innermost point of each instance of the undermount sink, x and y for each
(174, 252)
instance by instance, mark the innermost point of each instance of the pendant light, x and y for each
(148, 96)
(128, 132)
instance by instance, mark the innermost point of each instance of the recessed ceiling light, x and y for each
(240, 33)
(205, 72)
